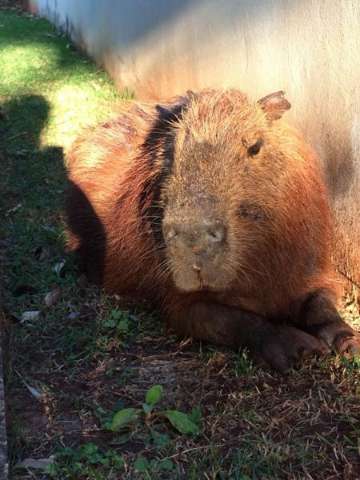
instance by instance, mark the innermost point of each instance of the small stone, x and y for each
(30, 315)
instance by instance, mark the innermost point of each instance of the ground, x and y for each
(74, 358)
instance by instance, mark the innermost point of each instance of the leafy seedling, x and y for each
(143, 465)
(182, 422)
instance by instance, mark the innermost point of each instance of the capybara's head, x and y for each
(228, 161)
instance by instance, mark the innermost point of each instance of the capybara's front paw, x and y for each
(287, 345)
(348, 344)
(340, 337)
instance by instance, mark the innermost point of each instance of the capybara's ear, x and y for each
(172, 106)
(274, 105)
(163, 111)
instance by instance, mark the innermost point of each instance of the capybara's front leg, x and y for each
(278, 345)
(318, 316)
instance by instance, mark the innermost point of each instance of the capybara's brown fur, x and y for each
(216, 210)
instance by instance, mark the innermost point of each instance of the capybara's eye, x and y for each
(255, 148)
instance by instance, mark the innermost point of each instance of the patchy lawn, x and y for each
(74, 358)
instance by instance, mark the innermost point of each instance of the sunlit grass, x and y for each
(77, 104)
(37, 60)
(22, 67)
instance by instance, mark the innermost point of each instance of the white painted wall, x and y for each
(309, 48)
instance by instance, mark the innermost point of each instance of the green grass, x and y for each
(35, 60)
(82, 359)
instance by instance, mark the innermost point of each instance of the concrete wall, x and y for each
(309, 48)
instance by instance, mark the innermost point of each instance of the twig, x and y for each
(203, 447)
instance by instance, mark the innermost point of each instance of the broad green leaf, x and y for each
(154, 394)
(123, 417)
(181, 422)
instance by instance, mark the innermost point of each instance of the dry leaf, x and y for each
(59, 266)
(51, 298)
(34, 392)
(37, 463)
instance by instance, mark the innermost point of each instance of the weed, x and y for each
(243, 363)
(86, 462)
(182, 422)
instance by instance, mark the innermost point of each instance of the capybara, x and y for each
(216, 211)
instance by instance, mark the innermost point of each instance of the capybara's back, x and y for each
(215, 210)
(107, 185)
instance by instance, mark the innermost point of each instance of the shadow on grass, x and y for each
(29, 171)
(32, 185)
(31, 180)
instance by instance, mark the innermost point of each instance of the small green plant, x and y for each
(85, 462)
(351, 364)
(143, 465)
(243, 365)
(118, 320)
(182, 422)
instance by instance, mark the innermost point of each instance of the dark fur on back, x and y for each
(158, 147)
(116, 172)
